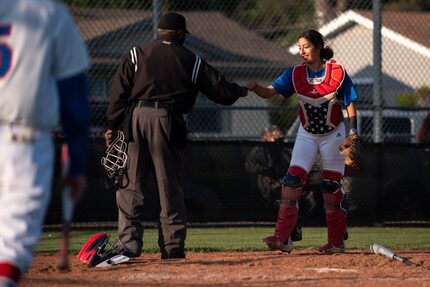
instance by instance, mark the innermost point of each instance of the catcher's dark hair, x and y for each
(316, 39)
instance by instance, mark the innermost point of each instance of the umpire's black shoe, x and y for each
(126, 252)
(172, 255)
(129, 254)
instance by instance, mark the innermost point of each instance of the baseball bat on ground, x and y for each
(67, 210)
(382, 250)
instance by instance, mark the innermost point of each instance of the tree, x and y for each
(286, 114)
(277, 20)
(423, 94)
(420, 98)
(407, 100)
(124, 4)
(407, 5)
(227, 6)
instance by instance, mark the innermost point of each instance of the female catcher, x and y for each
(322, 87)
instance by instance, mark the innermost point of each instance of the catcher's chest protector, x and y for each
(319, 110)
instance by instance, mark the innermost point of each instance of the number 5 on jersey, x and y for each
(5, 50)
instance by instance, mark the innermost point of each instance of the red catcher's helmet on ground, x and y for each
(94, 254)
(92, 249)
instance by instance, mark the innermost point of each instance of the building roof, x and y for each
(413, 25)
(409, 29)
(217, 38)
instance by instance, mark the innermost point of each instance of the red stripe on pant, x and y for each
(9, 271)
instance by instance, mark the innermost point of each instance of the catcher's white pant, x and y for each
(307, 147)
(26, 171)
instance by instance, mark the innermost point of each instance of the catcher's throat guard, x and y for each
(116, 156)
(115, 162)
(95, 254)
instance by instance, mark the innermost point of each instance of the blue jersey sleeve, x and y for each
(75, 118)
(284, 83)
(348, 91)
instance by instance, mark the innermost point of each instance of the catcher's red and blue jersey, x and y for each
(318, 94)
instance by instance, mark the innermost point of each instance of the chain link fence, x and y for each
(255, 40)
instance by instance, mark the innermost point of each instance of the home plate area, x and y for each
(267, 268)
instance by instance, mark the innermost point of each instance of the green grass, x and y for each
(249, 239)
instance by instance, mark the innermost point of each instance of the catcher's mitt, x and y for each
(351, 149)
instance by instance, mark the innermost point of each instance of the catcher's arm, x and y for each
(352, 115)
(263, 92)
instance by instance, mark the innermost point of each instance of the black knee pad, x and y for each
(331, 194)
(329, 186)
(292, 181)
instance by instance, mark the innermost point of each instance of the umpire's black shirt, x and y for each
(166, 71)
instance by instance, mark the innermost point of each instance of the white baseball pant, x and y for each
(26, 172)
(307, 147)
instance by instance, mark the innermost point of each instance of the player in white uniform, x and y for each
(43, 61)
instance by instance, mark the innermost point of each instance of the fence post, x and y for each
(377, 73)
(156, 15)
(377, 106)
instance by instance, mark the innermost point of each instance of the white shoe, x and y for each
(331, 248)
(274, 244)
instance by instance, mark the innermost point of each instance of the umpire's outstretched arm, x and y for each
(214, 85)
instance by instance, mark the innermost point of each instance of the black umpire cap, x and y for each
(172, 21)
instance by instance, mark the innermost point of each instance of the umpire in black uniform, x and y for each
(154, 86)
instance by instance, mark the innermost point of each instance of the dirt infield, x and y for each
(271, 268)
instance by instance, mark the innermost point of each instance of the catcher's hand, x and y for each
(351, 149)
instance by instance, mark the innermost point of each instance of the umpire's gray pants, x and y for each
(151, 149)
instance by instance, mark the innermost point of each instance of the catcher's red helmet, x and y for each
(93, 249)
(95, 254)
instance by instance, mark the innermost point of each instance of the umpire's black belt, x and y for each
(152, 104)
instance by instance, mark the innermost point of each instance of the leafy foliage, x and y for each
(277, 20)
(226, 6)
(420, 98)
(407, 5)
(124, 4)
(407, 100)
(286, 114)
(279, 11)
(423, 95)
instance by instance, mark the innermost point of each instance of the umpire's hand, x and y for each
(109, 136)
(252, 86)
(244, 91)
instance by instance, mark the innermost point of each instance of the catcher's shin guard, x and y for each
(296, 234)
(288, 212)
(335, 214)
(291, 192)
